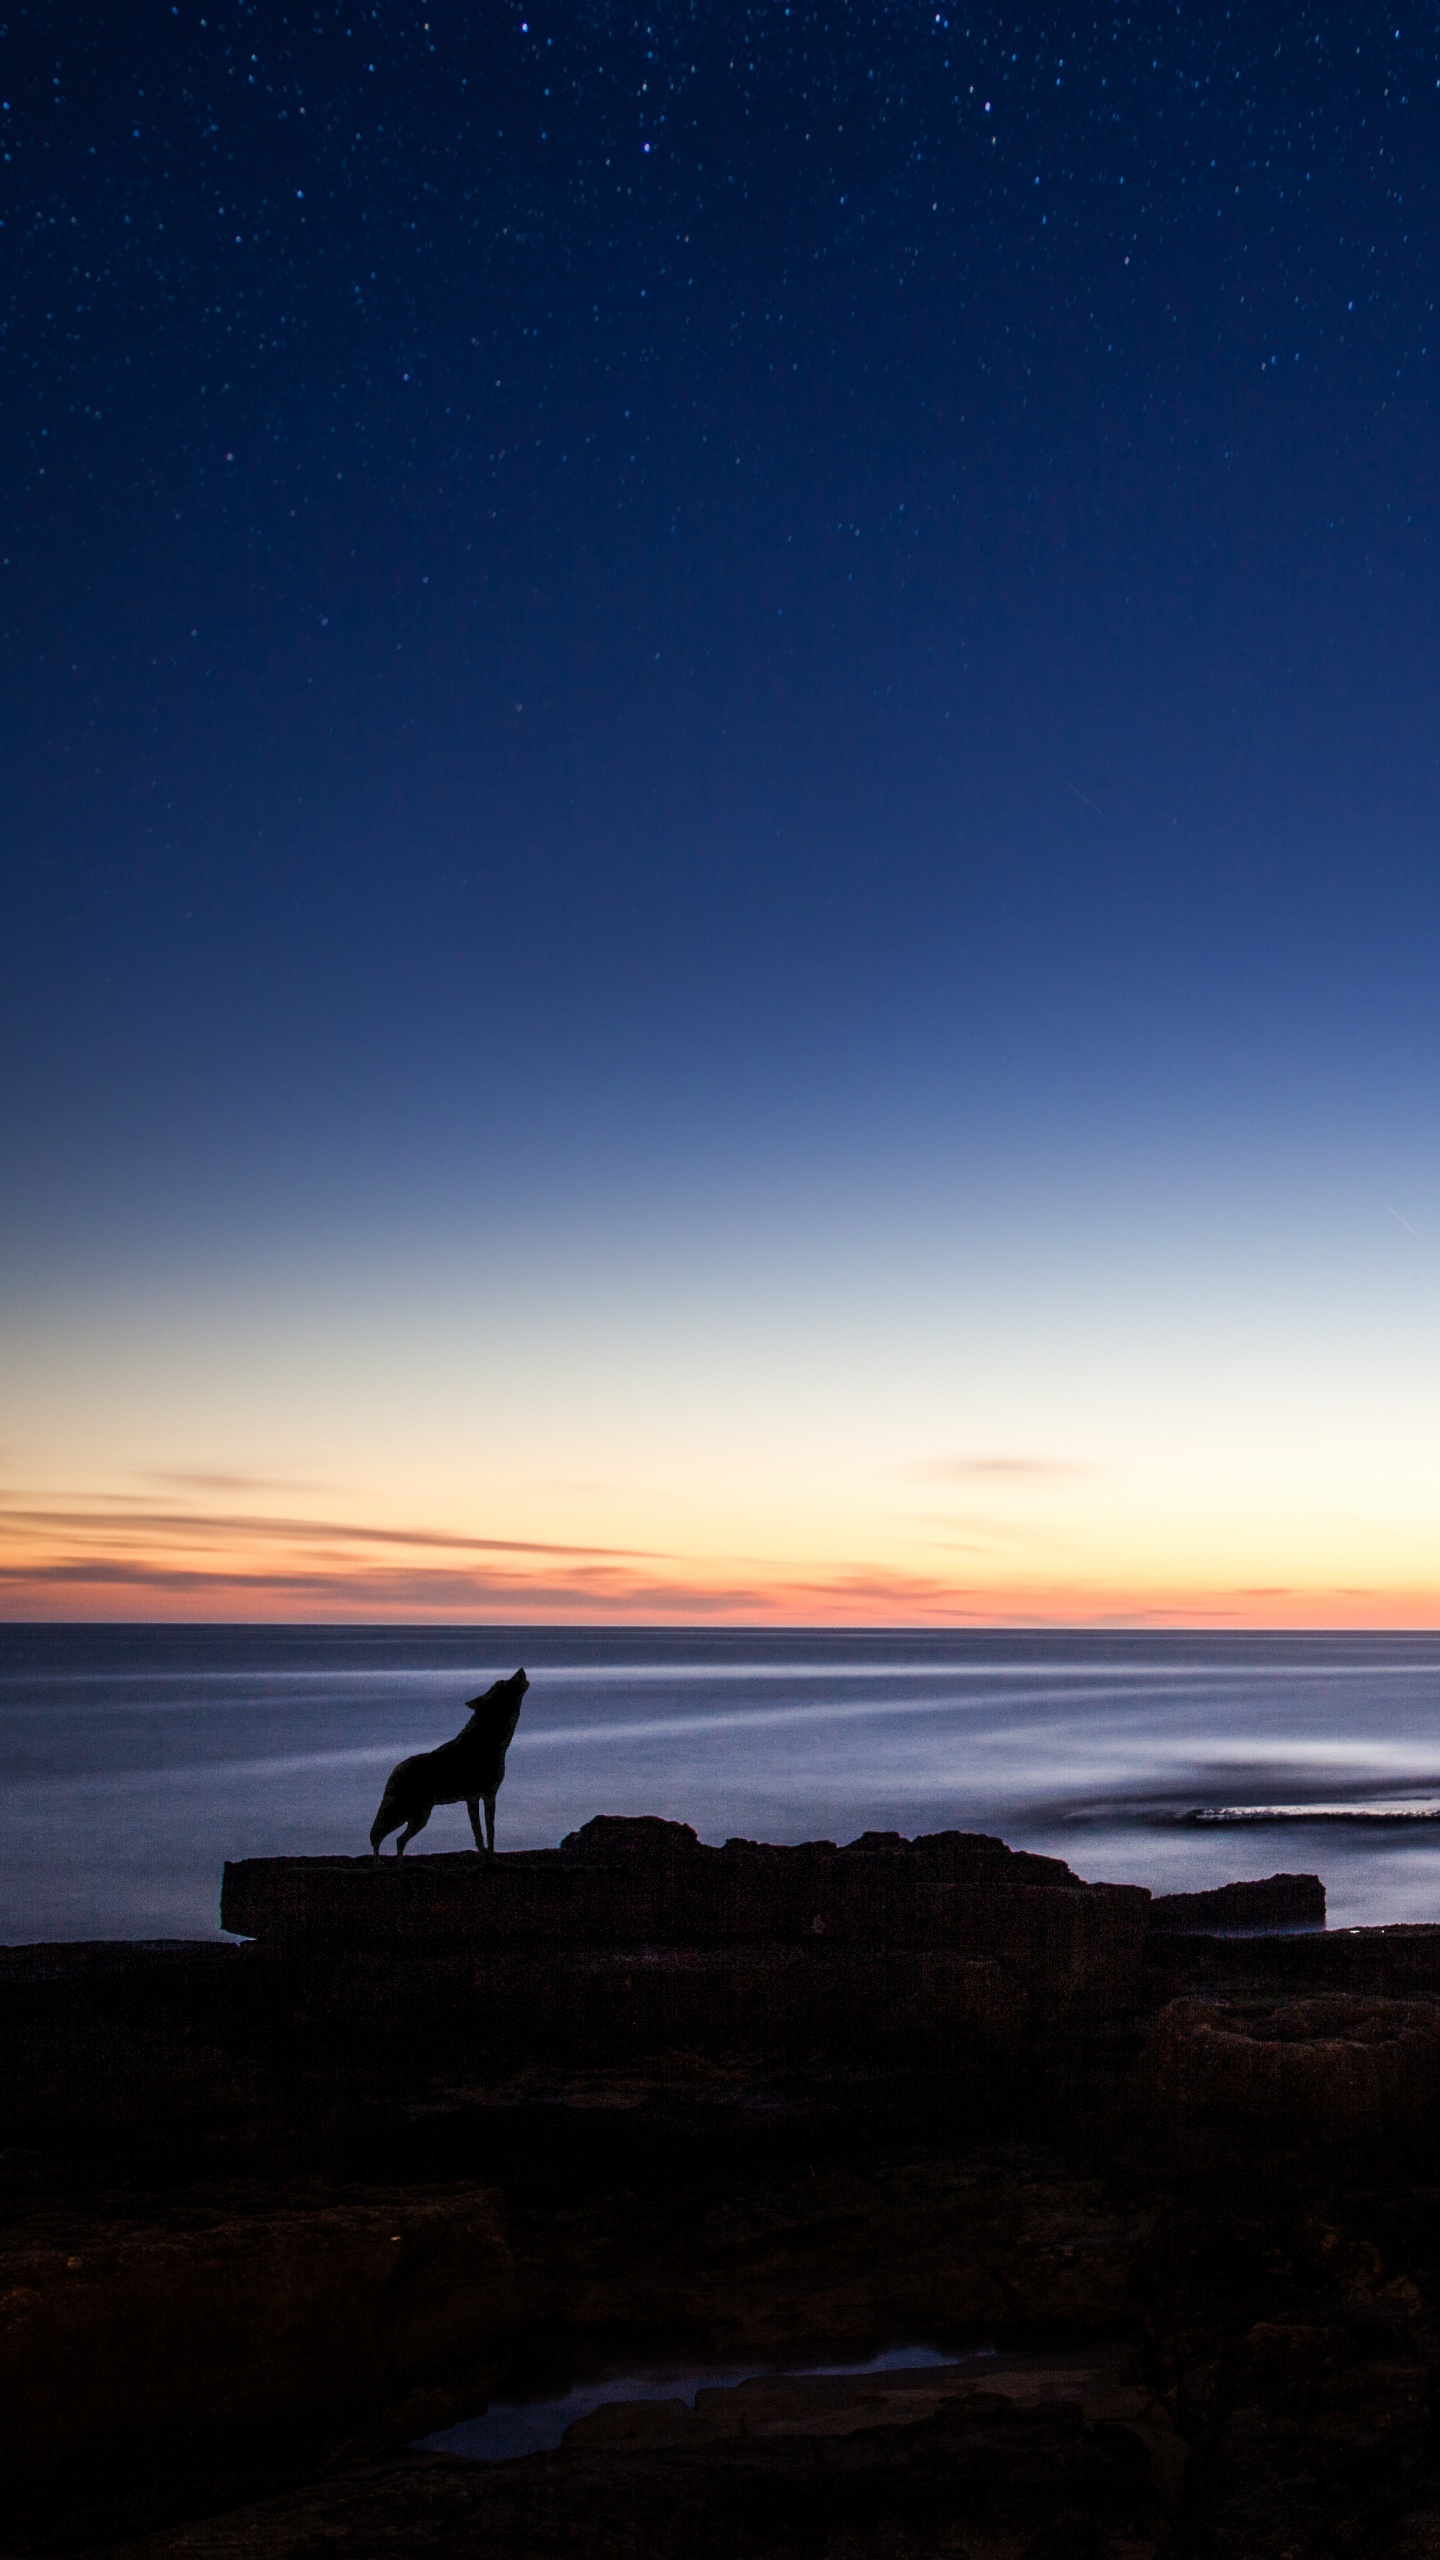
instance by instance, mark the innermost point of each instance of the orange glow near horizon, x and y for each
(129, 1560)
(959, 1427)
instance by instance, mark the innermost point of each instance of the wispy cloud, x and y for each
(987, 1532)
(103, 1558)
(137, 1587)
(999, 1470)
(214, 1480)
(328, 1586)
(93, 1559)
(133, 1524)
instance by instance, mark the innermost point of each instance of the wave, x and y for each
(1387, 1815)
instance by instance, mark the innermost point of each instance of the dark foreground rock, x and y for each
(1342, 2068)
(445, 2130)
(1011, 2482)
(880, 1925)
(634, 1939)
(1271, 1902)
(164, 2348)
(1061, 2461)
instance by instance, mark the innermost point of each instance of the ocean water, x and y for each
(135, 1760)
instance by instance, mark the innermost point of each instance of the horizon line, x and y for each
(1139, 1623)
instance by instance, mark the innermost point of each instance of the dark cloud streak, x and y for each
(132, 1524)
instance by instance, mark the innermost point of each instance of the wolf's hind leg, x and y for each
(472, 1807)
(416, 1823)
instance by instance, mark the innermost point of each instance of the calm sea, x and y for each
(134, 1760)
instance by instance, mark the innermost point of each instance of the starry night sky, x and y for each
(774, 624)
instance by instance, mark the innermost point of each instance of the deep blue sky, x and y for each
(590, 596)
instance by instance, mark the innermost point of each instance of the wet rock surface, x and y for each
(1342, 2067)
(983, 2477)
(272, 2211)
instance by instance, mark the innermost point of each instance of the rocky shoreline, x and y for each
(439, 2130)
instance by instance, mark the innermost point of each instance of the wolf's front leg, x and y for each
(490, 1822)
(472, 1807)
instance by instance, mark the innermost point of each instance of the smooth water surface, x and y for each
(135, 1760)
(509, 2429)
(513, 2428)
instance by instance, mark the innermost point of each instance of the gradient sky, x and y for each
(720, 797)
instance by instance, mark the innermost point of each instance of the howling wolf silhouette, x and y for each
(467, 1770)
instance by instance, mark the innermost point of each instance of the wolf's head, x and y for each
(499, 1705)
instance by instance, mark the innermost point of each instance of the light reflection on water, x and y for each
(134, 1760)
(509, 2429)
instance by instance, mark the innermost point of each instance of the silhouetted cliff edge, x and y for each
(441, 2126)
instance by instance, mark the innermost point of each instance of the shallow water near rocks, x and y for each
(135, 1760)
(509, 2429)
